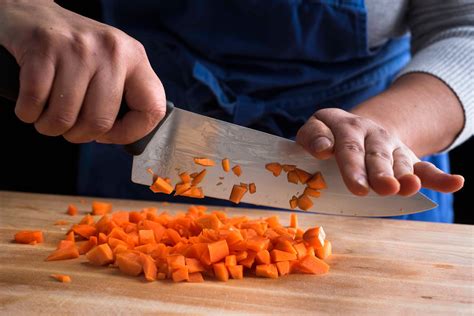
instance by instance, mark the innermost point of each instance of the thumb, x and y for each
(316, 138)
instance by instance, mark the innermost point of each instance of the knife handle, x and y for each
(10, 87)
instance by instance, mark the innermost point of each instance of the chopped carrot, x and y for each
(293, 220)
(87, 220)
(193, 175)
(100, 255)
(180, 274)
(237, 170)
(64, 244)
(304, 202)
(61, 277)
(301, 250)
(87, 245)
(84, 230)
(101, 208)
(180, 188)
(149, 268)
(29, 236)
(221, 272)
(263, 257)
(325, 251)
(161, 186)
(204, 162)
(226, 164)
(72, 210)
(194, 265)
(199, 177)
(195, 277)
(146, 236)
(312, 192)
(278, 255)
(293, 202)
(70, 252)
(283, 267)
(129, 263)
(303, 176)
(292, 177)
(274, 167)
(236, 271)
(218, 250)
(312, 265)
(288, 168)
(237, 193)
(244, 185)
(317, 182)
(267, 271)
(230, 260)
(315, 237)
(252, 188)
(185, 177)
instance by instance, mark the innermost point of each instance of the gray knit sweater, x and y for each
(442, 43)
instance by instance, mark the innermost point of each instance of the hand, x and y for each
(368, 155)
(74, 72)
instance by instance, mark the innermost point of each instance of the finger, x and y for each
(435, 179)
(147, 106)
(36, 80)
(348, 149)
(65, 100)
(403, 172)
(100, 108)
(316, 138)
(379, 164)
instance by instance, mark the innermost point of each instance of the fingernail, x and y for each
(362, 181)
(320, 144)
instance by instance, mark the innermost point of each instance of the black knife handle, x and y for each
(10, 87)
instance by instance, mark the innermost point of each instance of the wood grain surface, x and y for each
(379, 266)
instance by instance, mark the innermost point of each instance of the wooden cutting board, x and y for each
(379, 266)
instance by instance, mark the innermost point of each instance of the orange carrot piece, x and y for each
(283, 267)
(29, 236)
(70, 252)
(244, 185)
(161, 186)
(237, 193)
(303, 176)
(199, 177)
(218, 250)
(84, 230)
(194, 192)
(312, 265)
(288, 168)
(230, 260)
(312, 192)
(293, 202)
(61, 277)
(185, 177)
(194, 265)
(180, 188)
(64, 244)
(100, 255)
(129, 263)
(161, 276)
(304, 202)
(136, 217)
(87, 245)
(70, 236)
(72, 210)
(101, 208)
(292, 177)
(315, 237)
(204, 162)
(325, 251)
(221, 272)
(252, 188)
(267, 271)
(285, 245)
(278, 255)
(274, 167)
(226, 164)
(102, 238)
(180, 274)
(293, 220)
(263, 257)
(195, 277)
(237, 170)
(249, 260)
(236, 271)
(317, 182)
(301, 250)
(176, 261)
(149, 268)
(146, 236)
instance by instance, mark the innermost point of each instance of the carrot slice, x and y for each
(288, 168)
(263, 257)
(129, 263)
(221, 272)
(87, 245)
(252, 188)
(185, 177)
(146, 236)
(293, 202)
(70, 252)
(195, 277)
(72, 210)
(218, 250)
(267, 271)
(226, 164)
(283, 267)
(204, 162)
(194, 192)
(194, 265)
(303, 176)
(312, 265)
(84, 230)
(278, 255)
(274, 167)
(180, 188)
(236, 271)
(315, 237)
(180, 274)
(237, 170)
(149, 268)
(317, 182)
(293, 220)
(199, 177)
(29, 236)
(304, 202)
(230, 260)
(101, 208)
(312, 192)
(100, 255)
(161, 186)
(237, 193)
(325, 251)
(61, 277)
(292, 177)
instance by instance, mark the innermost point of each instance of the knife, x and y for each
(182, 135)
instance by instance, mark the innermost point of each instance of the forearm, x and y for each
(420, 109)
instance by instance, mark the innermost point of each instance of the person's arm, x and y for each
(74, 72)
(428, 109)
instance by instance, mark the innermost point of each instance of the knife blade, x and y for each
(184, 135)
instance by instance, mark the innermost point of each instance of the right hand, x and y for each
(74, 72)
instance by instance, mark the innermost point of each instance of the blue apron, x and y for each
(267, 65)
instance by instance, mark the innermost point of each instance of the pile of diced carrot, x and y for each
(190, 246)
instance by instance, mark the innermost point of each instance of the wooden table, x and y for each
(379, 267)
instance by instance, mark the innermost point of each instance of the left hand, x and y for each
(368, 155)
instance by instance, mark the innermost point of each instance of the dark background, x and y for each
(35, 163)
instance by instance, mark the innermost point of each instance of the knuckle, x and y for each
(352, 146)
(61, 122)
(81, 46)
(139, 50)
(355, 122)
(379, 154)
(112, 40)
(99, 125)
(404, 164)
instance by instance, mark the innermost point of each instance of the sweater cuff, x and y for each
(452, 61)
